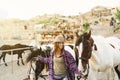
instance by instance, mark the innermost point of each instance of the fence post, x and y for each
(12, 59)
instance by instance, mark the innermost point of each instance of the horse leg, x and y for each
(0, 58)
(39, 69)
(111, 74)
(4, 54)
(22, 60)
(108, 73)
(117, 70)
(116, 75)
(31, 71)
(18, 60)
(28, 71)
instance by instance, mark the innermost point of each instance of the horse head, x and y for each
(83, 46)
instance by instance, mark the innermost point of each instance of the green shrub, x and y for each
(86, 26)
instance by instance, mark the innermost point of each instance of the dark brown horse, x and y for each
(18, 52)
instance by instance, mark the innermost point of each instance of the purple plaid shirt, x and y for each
(69, 62)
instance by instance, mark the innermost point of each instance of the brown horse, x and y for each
(18, 52)
(87, 43)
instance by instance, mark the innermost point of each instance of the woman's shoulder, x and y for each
(67, 53)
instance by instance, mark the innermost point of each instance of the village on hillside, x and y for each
(44, 28)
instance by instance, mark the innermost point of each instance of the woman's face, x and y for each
(61, 45)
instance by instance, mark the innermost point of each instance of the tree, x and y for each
(117, 15)
(86, 26)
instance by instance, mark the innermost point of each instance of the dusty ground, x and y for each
(13, 71)
(18, 72)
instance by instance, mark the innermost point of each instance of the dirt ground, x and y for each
(18, 72)
(13, 71)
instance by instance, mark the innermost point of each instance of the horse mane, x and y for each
(78, 40)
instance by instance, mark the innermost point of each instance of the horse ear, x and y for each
(89, 34)
(40, 49)
(95, 47)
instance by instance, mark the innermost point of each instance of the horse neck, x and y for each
(103, 51)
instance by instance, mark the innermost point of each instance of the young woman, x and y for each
(62, 65)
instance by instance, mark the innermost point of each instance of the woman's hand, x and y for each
(83, 77)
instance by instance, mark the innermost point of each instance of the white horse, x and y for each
(115, 43)
(101, 63)
(107, 58)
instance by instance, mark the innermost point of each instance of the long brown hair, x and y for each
(56, 47)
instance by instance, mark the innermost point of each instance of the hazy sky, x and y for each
(25, 9)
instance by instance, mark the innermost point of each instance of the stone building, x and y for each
(99, 14)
